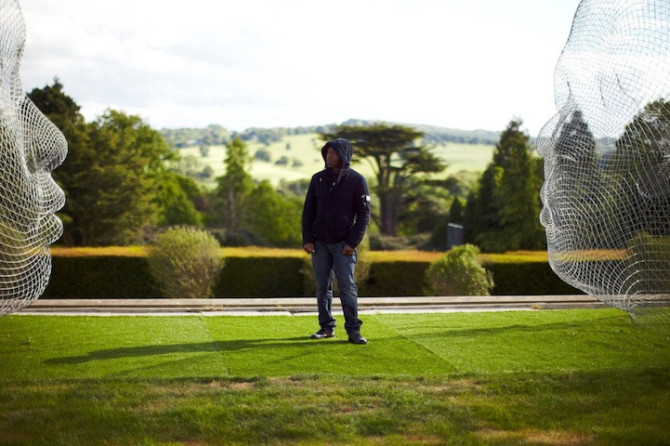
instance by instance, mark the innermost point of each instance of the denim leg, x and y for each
(344, 271)
(322, 263)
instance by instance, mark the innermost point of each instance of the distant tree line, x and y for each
(122, 186)
(218, 135)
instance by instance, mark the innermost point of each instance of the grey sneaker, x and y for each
(356, 338)
(323, 333)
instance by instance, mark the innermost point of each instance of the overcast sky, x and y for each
(465, 64)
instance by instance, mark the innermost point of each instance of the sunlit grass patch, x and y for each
(547, 377)
(552, 408)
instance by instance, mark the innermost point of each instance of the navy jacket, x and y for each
(337, 207)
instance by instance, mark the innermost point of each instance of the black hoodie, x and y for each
(337, 207)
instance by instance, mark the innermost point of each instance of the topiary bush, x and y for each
(185, 262)
(459, 273)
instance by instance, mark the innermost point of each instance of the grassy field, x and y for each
(532, 377)
(306, 150)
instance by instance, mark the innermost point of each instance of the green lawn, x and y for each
(530, 377)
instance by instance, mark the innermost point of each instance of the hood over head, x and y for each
(343, 148)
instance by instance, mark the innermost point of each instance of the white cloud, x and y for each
(473, 64)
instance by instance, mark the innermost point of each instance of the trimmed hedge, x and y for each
(399, 278)
(100, 277)
(122, 277)
(260, 277)
(527, 278)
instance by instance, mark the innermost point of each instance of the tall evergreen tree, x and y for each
(504, 214)
(575, 176)
(234, 186)
(484, 216)
(642, 169)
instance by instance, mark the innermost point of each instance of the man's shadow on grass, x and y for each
(426, 332)
(196, 347)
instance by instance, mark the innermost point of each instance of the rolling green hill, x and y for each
(297, 156)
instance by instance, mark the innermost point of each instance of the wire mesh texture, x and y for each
(606, 195)
(30, 148)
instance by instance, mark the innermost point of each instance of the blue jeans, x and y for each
(328, 262)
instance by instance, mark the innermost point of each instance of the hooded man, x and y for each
(334, 220)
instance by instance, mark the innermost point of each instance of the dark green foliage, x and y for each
(396, 158)
(459, 273)
(456, 211)
(527, 278)
(230, 199)
(240, 205)
(263, 155)
(395, 279)
(177, 197)
(185, 262)
(238, 237)
(275, 217)
(108, 277)
(640, 166)
(503, 215)
(260, 277)
(100, 277)
(654, 253)
(116, 159)
(282, 161)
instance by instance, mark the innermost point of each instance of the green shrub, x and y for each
(185, 262)
(459, 273)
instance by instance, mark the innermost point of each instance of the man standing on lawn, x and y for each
(334, 220)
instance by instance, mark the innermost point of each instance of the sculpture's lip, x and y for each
(54, 228)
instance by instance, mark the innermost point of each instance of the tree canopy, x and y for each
(395, 157)
(113, 174)
(504, 213)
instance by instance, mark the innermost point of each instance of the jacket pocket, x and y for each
(339, 227)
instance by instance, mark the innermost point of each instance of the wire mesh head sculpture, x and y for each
(30, 148)
(606, 194)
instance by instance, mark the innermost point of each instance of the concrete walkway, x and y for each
(302, 305)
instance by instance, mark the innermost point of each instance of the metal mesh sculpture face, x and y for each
(607, 157)
(30, 148)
